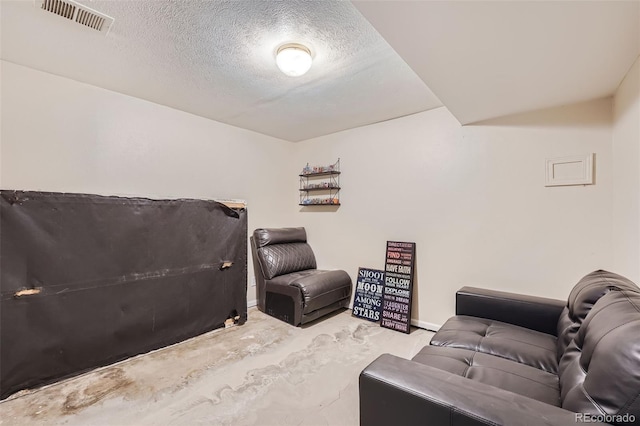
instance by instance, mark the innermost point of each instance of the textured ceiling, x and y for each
(216, 59)
(482, 59)
(486, 59)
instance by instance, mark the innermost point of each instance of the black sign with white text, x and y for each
(367, 301)
(398, 286)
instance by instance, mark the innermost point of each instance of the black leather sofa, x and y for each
(508, 359)
(289, 285)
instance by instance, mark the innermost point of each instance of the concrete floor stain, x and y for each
(246, 375)
(109, 383)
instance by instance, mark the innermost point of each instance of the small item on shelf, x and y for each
(323, 179)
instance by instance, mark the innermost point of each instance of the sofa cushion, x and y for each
(582, 298)
(519, 344)
(495, 371)
(269, 236)
(319, 288)
(287, 279)
(280, 259)
(600, 370)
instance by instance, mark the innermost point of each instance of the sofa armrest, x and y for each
(536, 313)
(397, 391)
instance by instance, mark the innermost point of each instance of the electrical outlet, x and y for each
(253, 281)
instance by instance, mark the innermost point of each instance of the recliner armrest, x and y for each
(535, 313)
(397, 391)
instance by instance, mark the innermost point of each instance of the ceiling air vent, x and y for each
(78, 13)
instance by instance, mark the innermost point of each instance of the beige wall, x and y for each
(472, 198)
(626, 176)
(65, 136)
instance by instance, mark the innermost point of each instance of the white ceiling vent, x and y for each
(76, 12)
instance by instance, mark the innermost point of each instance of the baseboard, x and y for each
(426, 325)
(416, 323)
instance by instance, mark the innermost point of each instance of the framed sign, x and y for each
(367, 301)
(398, 286)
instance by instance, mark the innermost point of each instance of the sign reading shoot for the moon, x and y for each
(398, 286)
(368, 296)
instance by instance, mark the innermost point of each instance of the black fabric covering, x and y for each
(116, 277)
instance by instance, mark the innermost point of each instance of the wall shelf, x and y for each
(320, 186)
(329, 188)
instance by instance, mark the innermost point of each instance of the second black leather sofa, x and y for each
(508, 359)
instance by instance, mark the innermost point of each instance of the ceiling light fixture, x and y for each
(293, 59)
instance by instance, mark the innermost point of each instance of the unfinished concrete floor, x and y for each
(264, 372)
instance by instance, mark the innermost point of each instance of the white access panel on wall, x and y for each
(571, 170)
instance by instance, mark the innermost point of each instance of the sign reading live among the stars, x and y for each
(368, 299)
(398, 286)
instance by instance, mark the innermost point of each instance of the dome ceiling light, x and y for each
(293, 59)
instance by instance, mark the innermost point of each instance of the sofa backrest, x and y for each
(600, 370)
(582, 298)
(282, 251)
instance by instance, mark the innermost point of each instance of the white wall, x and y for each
(626, 176)
(64, 136)
(472, 198)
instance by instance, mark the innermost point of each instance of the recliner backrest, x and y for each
(582, 298)
(282, 251)
(600, 370)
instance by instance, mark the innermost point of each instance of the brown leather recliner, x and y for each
(290, 287)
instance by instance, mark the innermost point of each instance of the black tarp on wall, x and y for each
(110, 278)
